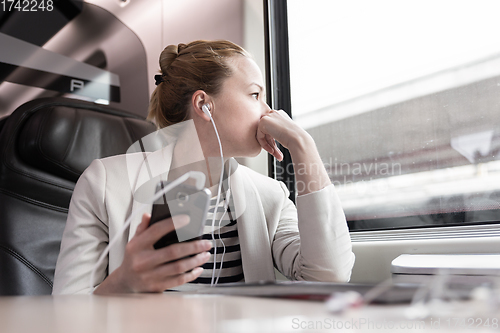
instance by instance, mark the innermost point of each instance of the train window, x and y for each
(402, 99)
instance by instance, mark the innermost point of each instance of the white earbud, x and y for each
(206, 110)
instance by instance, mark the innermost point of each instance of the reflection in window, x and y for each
(402, 98)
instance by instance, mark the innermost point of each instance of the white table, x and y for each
(179, 312)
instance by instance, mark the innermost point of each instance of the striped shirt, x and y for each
(232, 269)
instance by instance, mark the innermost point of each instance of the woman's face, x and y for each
(238, 107)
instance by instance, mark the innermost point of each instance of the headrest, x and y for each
(64, 140)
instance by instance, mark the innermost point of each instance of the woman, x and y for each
(222, 78)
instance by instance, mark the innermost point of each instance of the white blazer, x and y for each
(307, 242)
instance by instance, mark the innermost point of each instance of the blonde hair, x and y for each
(186, 68)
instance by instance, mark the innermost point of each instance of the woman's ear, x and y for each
(199, 99)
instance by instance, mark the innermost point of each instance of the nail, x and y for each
(197, 270)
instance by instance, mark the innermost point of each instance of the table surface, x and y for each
(180, 312)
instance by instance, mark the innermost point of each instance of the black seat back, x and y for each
(45, 145)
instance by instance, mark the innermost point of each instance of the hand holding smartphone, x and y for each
(183, 199)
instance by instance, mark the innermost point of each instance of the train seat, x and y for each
(45, 145)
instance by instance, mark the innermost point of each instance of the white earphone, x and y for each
(206, 110)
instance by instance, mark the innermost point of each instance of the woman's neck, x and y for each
(192, 154)
(209, 166)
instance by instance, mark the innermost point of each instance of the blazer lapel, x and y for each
(256, 255)
(153, 168)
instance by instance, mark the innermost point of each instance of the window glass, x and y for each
(403, 101)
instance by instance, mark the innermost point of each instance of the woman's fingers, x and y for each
(144, 224)
(276, 152)
(178, 251)
(176, 280)
(146, 269)
(271, 127)
(182, 271)
(182, 266)
(264, 143)
(183, 278)
(175, 273)
(156, 231)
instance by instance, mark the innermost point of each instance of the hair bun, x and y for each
(167, 56)
(181, 47)
(202, 65)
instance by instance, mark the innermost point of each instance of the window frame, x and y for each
(277, 58)
(278, 81)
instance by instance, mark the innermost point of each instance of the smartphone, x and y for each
(183, 199)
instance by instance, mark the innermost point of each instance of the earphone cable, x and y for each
(217, 202)
(226, 205)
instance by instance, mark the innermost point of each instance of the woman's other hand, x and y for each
(277, 125)
(146, 269)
